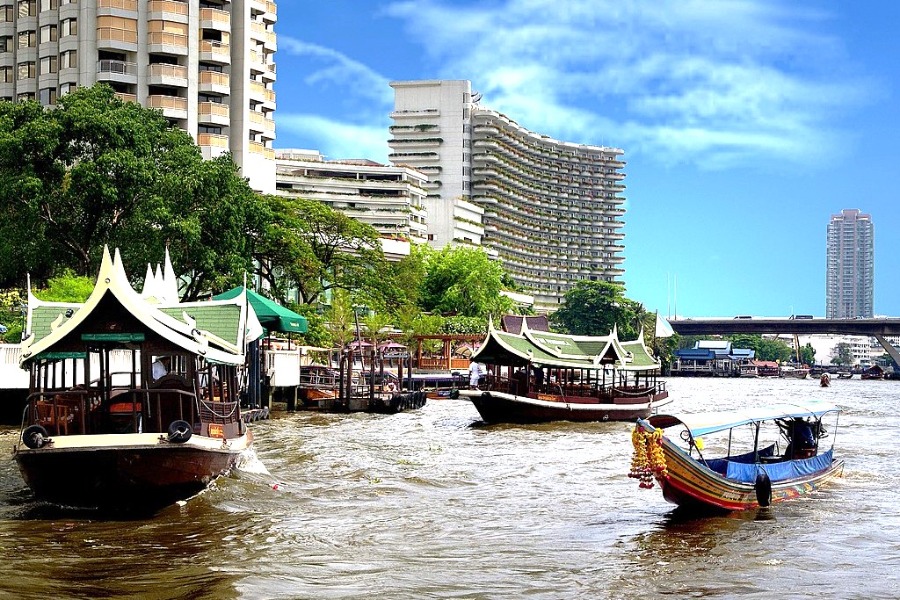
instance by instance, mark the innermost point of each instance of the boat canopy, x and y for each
(700, 424)
(214, 330)
(550, 349)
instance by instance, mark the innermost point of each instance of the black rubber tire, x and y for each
(35, 436)
(763, 489)
(180, 432)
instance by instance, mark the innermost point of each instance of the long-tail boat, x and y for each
(541, 376)
(761, 455)
(133, 403)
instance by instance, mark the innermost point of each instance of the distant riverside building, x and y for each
(551, 211)
(389, 198)
(208, 65)
(850, 275)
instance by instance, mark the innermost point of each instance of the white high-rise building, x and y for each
(208, 65)
(850, 271)
(550, 210)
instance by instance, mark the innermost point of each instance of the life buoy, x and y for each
(35, 436)
(763, 489)
(180, 432)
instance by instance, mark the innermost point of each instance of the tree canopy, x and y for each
(464, 281)
(97, 171)
(595, 307)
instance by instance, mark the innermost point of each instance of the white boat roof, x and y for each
(702, 423)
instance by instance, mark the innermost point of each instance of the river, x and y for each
(432, 504)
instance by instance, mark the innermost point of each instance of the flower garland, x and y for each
(648, 458)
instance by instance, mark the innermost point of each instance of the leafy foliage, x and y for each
(465, 281)
(595, 307)
(766, 348)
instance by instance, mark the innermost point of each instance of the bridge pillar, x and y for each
(889, 348)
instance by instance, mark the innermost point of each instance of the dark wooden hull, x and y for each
(123, 476)
(497, 407)
(696, 488)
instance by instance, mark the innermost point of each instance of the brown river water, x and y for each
(433, 504)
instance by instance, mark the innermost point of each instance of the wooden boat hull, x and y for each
(499, 407)
(695, 487)
(126, 470)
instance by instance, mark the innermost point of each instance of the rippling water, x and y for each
(431, 504)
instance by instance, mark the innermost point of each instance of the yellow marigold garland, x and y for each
(648, 458)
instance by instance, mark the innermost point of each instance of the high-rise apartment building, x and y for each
(387, 197)
(850, 275)
(208, 65)
(551, 211)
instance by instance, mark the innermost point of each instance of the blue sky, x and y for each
(745, 123)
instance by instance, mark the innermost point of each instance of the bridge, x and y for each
(877, 328)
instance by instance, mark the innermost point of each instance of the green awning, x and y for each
(271, 315)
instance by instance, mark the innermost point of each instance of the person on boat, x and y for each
(474, 374)
(521, 379)
(538, 376)
(159, 367)
(802, 442)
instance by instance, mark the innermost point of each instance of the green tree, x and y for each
(840, 354)
(97, 171)
(464, 281)
(316, 249)
(808, 355)
(595, 307)
(765, 348)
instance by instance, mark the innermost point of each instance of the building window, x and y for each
(25, 96)
(6, 74)
(27, 39)
(6, 13)
(48, 96)
(69, 27)
(48, 5)
(209, 129)
(68, 59)
(27, 8)
(26, 70)
(5, 43)
(48, 33)
(65, 88)
(48, 65)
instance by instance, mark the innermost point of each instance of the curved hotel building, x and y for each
(551, 211)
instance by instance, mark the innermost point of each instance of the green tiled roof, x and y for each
(221, 320)
(44, 315)
(556, 349)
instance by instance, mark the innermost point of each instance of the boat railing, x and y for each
(603, 392)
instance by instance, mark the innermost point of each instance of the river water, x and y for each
(432, 504)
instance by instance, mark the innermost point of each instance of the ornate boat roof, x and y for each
(547, 348)
(214, 330)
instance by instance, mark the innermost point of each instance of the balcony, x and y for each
(163, 42)
(119, 39)
(117, 70)
(213, 140)
(166, 74)
(126, 97)
(215, 52)
(103, 6)
(261, 149)
(259, 122)
(168, 10)
(259, 91)
(213, 113)
(172, 107)
(213, 81)
(212, 18)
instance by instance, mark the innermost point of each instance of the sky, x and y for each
(745, 123)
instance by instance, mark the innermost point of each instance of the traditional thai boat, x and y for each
(133, 403)
(540, 376)
(761, 456)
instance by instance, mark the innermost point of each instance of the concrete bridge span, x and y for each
(877, 328)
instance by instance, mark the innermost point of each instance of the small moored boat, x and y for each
(133, 403)
(783, 455)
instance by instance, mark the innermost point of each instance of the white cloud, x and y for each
(331, 66)
(715, 82)
(336, 140)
